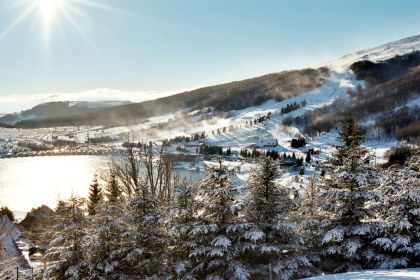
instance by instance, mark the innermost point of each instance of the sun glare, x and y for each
(49, 8)
(52, 12)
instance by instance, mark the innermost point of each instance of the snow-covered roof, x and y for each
(8, 228)
(9, 250)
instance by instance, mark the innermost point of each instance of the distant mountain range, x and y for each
(59, 109)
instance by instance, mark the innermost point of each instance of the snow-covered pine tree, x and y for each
(398, 230)
(103, 243)
(217, 227)
(310, 220)
(345, 243)
(66, 252)
(144, 239)
(179, 226)
(270, 240)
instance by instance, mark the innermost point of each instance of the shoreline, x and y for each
(52, 154)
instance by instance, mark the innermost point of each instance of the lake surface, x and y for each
(29, 182)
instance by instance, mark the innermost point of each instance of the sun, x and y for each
(49, 8)
(52, 12)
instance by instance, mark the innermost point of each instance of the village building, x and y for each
(266, 142)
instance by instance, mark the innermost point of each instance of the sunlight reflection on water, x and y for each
(30, 182)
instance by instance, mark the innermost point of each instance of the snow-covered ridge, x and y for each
(379, 53)
(97, 104)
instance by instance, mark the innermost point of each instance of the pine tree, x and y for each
(397, 235)
(310, 221)
(6, 211)
(95, 196)
(104, 246)
(302, 171)
(346, 238)
(351, 136)
(181, 222)
(113, 192)
(66, 251)
(308, 157)
(270, 238)
(216, 229)
(144, 240)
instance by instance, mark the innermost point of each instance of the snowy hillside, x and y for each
(379, 53)
(340, 80)
(400, 274)
(244, 135)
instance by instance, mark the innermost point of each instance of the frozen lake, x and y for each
(29, 182)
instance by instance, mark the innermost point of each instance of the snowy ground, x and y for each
(400, 274)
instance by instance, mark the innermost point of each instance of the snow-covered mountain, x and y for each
(231, 107)
(379, 53)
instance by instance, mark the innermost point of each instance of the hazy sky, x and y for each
(148, 45)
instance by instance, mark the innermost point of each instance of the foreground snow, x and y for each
(401, 274)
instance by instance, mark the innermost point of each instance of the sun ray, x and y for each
(101, 6)
(76, 26)
(54, 12)
(14, 4)
(26, 13)
(76, 11)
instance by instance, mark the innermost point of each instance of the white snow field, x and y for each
(393, 274)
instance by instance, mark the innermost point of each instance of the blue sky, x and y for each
(143, 45)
